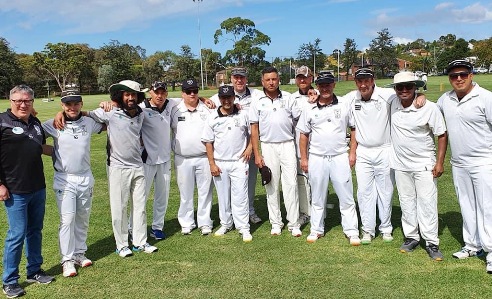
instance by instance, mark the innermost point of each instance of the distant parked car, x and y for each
(480, 70)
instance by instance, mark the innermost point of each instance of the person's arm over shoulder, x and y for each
(99, 115)
(49, 129)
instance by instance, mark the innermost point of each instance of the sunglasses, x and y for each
(463, 75)
(407, 86)
(189, 91)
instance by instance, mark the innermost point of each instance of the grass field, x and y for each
(269, 267)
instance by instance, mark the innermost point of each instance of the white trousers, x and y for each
(473, 187)
(374, 188)
(417, 191)
(190, 171)
(74, 199)
(160, 175)
(232, 193)
(125, 184)
(252, 178)
(322, 169)
(304, 191)
(281, 158)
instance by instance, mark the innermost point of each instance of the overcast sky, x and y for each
(159, 25)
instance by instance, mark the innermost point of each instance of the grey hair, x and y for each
(22, 89)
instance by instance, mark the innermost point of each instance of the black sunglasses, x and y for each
(407, 86)
(189, 91)
(463, 75)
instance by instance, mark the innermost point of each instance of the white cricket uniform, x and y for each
(275, 119)
(328, 160)
(469, 124)
(229, 136)
(125, 173)
(374, 178)
(73, 182)
(191, 164)
(303, 189)
(156, 155)
(413, 157)
(244, 100)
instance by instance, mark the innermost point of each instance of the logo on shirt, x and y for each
(338, 113)
(17, 130)
(38, 130)
(377, 104)
(203, 116)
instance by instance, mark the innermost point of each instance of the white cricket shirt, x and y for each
(327, 126)
(412, 136)
(72, 144)
(229, 134)
(469, 123)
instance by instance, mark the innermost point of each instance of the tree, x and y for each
(247, 41)
(382, 52)
(125, 61)
(349, 55)
(483, 50)
(60, 61)
(186, 65)
(10, 71)
(459, 50)
(211, 64)
(311, 54)
(159, 66)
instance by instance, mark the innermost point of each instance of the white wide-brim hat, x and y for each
(407, 77)
(127, 85)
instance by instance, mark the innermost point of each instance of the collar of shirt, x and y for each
(234, 111)
(473, 93)
(246, 93)
(139, 110)
(11, 115)
(155, 108)
(306, 93)
(279, 96)
(71, 119)
(334, 102)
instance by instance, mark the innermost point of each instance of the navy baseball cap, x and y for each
(325, 77)
(364, 73)
(70, 96)
(189, 84)
(226, 91)
(266, 175)
(459, 63)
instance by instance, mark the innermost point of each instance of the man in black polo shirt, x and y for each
(22, 189)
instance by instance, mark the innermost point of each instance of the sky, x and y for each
(160, 25)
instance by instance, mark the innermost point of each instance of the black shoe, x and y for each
(433, 251)
(13, 290)
(409, 245)
(40, 277)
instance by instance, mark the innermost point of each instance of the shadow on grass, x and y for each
(454, 222)
(96, 251)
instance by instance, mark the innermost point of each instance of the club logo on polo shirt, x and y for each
(338, 112)
(38, 130)
(203, 116)
(377, 104)
(236, 122)
(17, 130)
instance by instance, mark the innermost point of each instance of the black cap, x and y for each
(189, 84)
(364, 73)
(226, 91)
(70, 96)
(159, 84)
(325, 77)
(266, 175)
(459, 63)
(239, 71)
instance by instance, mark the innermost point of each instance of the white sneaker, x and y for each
(489, 267)
(313, 237)
(276, 230)
(186, 230)
(124, 252)
(466, 253)
(366, 238)
(147, 248)
(69, 269)
(205, 230)
(81, 260)
(222, 231)
(387, 237)
(354, 240)
(295, 231)
(303, 219)
(253, 218)
(247, 237)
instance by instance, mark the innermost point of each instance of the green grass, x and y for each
(269, 267)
